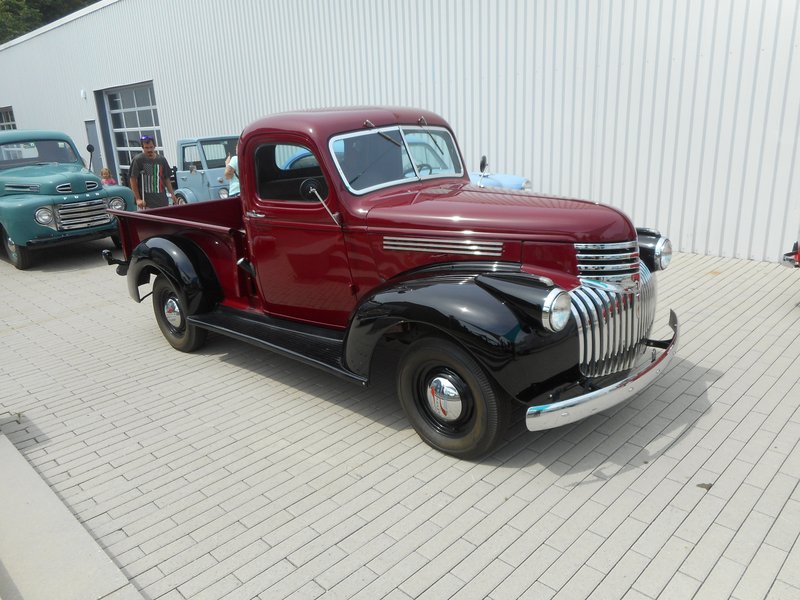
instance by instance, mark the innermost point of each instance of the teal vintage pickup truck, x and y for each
(49, 198)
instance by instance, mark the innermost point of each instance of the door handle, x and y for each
(254, 214)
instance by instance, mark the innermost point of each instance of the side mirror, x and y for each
(314, 188)
(317, 188)
(90, 150)
(484, 163)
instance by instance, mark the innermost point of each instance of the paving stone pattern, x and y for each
(235, 473)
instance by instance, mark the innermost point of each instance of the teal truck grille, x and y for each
(79, 215)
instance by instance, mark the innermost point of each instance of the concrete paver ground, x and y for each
(236, 473)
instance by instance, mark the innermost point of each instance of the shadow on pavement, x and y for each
(70, 257)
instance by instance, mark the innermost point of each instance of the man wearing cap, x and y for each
(149, 177)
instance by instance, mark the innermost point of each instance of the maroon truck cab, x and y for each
(359, 226)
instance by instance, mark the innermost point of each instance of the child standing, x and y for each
(106, 178)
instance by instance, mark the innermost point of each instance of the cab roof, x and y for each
(321, 124)
(10, 136)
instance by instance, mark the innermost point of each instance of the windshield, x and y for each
(16, 154)
(369, 160)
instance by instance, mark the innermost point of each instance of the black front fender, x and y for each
(513, 347)
(180, 261)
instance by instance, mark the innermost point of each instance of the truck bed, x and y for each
(222, 217)
(215, 227)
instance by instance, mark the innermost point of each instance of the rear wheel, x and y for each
(19, 256)
(450, 400)
(169, 306)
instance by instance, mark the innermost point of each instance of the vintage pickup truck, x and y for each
(48, 197)
(200, 170)
(499, 298)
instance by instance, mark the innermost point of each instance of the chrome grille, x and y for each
(608, 262)
(79, 215)
(64, 188)
(612, 323)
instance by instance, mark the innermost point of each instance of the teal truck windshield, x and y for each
(35, 152)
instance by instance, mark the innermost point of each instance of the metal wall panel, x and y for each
(684, 114)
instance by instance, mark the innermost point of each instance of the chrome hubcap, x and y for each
(443, 399)
(172, 312)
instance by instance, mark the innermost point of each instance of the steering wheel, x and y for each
(421, 166)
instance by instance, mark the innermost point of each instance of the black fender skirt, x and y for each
(180, 261)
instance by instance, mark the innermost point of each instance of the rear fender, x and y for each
(180, 261)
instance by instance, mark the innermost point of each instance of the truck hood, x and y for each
(507, 214)
(45, 178)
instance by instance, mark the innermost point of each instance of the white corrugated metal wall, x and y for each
(684, 114)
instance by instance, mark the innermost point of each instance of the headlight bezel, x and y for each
(223, 193)
(45, 216)
(663, 253)
(116, 203)
(556, 310)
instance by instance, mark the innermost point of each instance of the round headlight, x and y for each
(43, 216)
(556, 310)
(116, 203)
(663, 253)
(223, 193)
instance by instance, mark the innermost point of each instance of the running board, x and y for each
(321, 348)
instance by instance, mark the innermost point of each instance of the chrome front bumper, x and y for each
(560, 413)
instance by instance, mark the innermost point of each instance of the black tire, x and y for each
(116, 241)
(169, 306)
(19, 256)
(467, 428)
(180, 199)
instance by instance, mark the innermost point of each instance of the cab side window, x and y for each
(282, 168)
(191, 158)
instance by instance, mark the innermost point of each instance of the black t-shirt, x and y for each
(151, 174)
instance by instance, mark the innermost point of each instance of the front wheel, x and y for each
(449, 399)
(169, 306)
(19, 256)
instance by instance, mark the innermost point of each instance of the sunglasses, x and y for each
(146, 138)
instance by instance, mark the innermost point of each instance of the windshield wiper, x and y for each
(386, 136)
(423, 124)
(370, 125)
